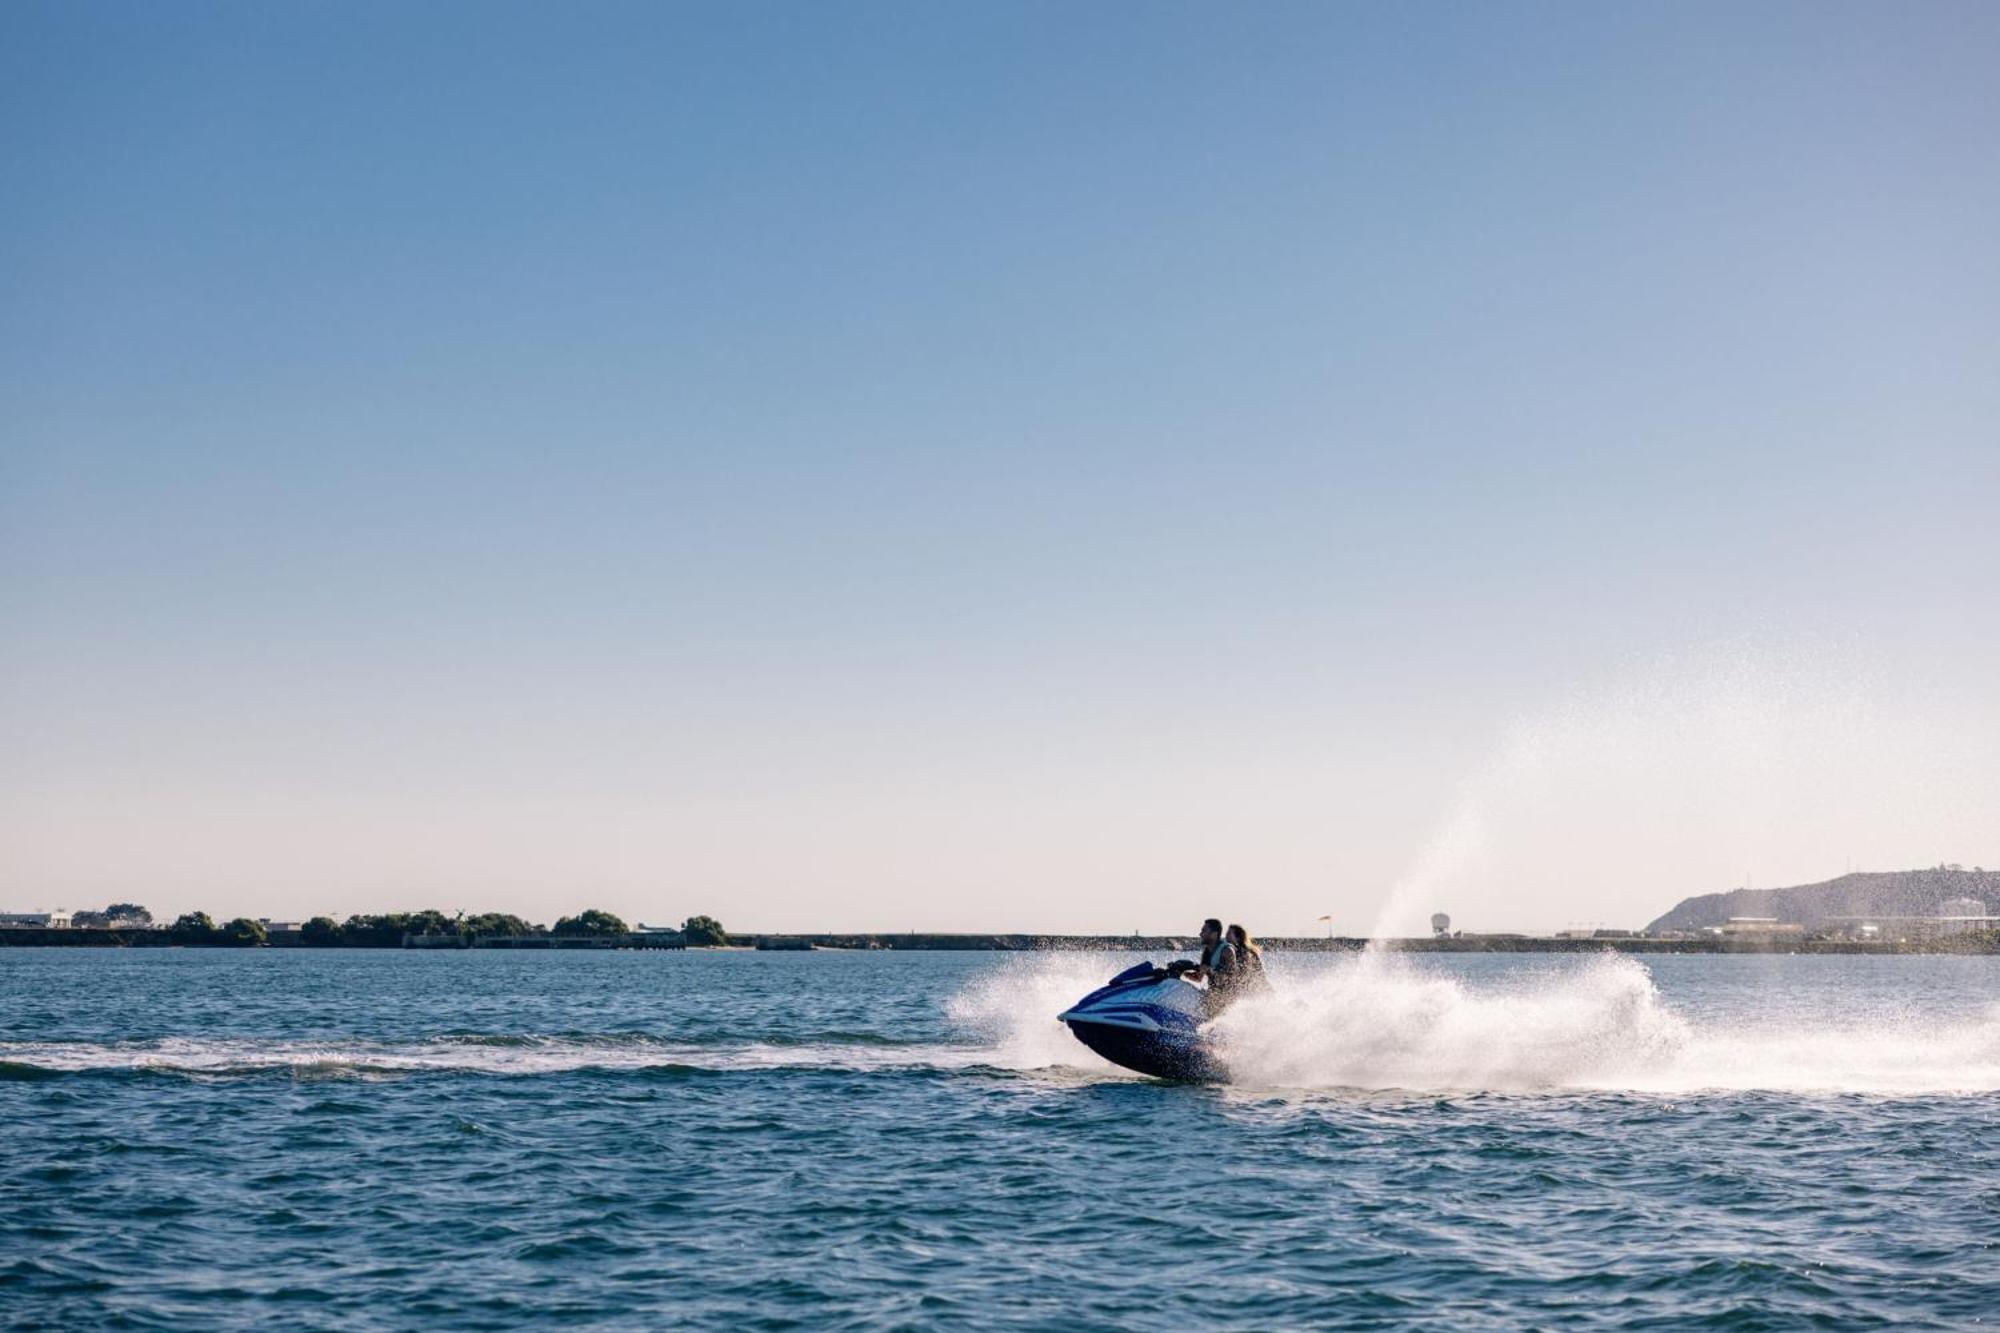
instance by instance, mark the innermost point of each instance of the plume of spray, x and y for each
(1741, 763)
(1011, 1012)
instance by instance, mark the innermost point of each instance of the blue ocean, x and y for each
(381, 1140)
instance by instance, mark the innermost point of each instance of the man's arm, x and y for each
(1225, 961)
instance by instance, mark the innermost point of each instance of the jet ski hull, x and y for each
(1151, 1023)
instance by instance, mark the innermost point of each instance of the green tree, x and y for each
(128, 914)
(494, 923)
(244, 933)
(89, 920)
(322, 932)
(385, 930)
(702, 930)
(373, 930)
(591, 921)
(193, 928)
(429, 921)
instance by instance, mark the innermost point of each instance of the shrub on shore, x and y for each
(387, 930)
(495, 923)
(243, 933)
(590, 921)
(126, 916)
(322, 932)
(193, 928)
(704, 930)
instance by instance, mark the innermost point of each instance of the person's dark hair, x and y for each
(1213, 924)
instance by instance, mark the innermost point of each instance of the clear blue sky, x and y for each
(1038, 466)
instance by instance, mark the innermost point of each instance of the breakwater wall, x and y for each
(1186, 944)
(1165, 945)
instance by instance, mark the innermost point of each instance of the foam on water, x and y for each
(507, 1055)
(1006, 1020)
(1011, 1010)
(1377, 1021)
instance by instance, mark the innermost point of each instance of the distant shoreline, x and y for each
(1970, 944)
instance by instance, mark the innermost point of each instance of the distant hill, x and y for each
(1878, 893)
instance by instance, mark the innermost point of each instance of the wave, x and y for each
(1380, 1022)
(16, 1071)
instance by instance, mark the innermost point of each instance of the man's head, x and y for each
(1211, 931)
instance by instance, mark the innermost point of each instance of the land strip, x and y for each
(1982, 942)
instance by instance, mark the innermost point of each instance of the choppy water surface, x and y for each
(369, 1140)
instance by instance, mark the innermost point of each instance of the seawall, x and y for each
(1153, 944)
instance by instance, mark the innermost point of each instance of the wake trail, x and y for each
(495, 1054)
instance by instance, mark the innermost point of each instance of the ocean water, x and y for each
(302, 1140)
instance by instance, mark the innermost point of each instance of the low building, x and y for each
(1955, 916)
(283, 934)
(1759, 928)
(1962, 916)
(56, 920)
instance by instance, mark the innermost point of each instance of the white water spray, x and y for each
(1379, 1022)
(1743, 765)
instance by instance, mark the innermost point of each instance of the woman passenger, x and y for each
(1249, 962)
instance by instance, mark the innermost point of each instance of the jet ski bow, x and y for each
(1149, 1019)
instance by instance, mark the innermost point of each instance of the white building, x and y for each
(56, 920)
(1758, 928)
(1960, 916)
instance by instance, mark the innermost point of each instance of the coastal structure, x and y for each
(1958, 919)
(1758, 928)
(56, 920)
(1911, 898)
(645, 937)
(1955, 916)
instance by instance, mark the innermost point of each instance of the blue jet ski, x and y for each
(1149, 1019)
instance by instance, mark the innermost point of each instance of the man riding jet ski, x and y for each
(1150, 1018)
